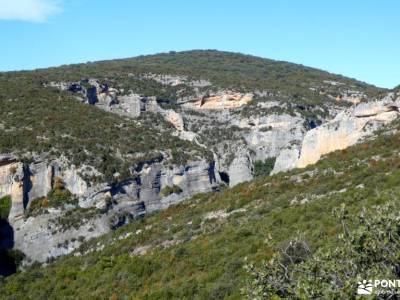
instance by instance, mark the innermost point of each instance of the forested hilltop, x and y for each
(223, 69)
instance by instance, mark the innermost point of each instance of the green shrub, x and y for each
(263, 168)
(60, 195)
(76, 217)
(168, 190)
(5, 207)
(57, 197)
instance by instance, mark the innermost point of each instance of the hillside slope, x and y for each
(197, 249)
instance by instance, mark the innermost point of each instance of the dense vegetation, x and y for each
(283, 81)
(224, 69)
(198, 249)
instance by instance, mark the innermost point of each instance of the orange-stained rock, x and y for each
(222, 101)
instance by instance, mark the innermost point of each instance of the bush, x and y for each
(168, 190)
(60, 195)
(5, 207)
(263, 168)
(369, 250)
(57, 197)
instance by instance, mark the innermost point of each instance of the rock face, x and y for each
(128, 105)
(286, 160)
(263, 136)
(239, 140)
(31, 181)
(174, 118)
(41, 237)
(73, 182)
(111, 99)
(269, 135)
(345, 130)
(240, 168)
(12, 184)
(38, 180)
(222, 100)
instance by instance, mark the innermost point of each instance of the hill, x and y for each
(198, 249)
(150, 177)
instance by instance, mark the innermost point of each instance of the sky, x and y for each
(355, 38)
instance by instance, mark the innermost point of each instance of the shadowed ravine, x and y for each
(7, 261)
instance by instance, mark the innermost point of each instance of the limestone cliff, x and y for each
(286, 160)
(12, 184)
(345, 130)
(240, 168)
(105, 206)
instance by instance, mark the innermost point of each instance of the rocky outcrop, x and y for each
(174, 118)
(240, 168)
(128, 105)
(286, 160)
(105, 97)
(265, 136)
(269, 135)
(39, 178)
(12, 183)
(113, 100)
(73, 182)
(40, 237)
(239, 141)
(345, 130)
(26, 182)
(222, 100)
(174, 80)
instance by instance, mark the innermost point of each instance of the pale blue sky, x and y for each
(356, 38)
